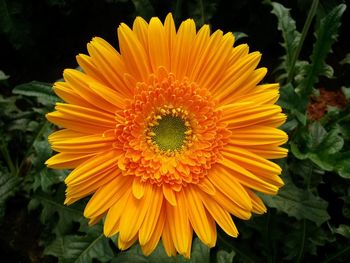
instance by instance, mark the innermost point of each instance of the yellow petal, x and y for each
(247, 178)
(157, 44)
(169, 194)
(197, 216)
(133, 53)
(154, 239)
(93, 166)
(167, 240)
(177, 217)
(67, 160)
(107, 195)
(138, 188)
(258, 135)
(154, 212)
(221, 216)
(112, 221)
(226, 182)
(134, 215)
(258, 205)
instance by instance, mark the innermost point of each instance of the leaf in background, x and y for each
(321, 147)
(313, 237)
(201, 10)
(343, 230)
(299, 203)
(224, 257)
(143, 8)
(291, 37)
(9, 185)
(13, 23)
(199, 254)
(346, 92)
(42, 91)
(54, 209)
(326, 34)
(81, 249)
(292, 101)
(239, 35)
(3, 76)
(342, 164)
(345, 60)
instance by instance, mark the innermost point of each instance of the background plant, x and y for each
(309, 219)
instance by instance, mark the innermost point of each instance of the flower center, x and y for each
(169, 134)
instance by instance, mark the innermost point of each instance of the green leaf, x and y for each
(80, 249)
(239, 35)
(143, 8)
(292, 101)
(9, 185)
(53, 208)
(42, 91)
(326, 35)
(319, 146)
(299, 203)
(343, 230)
(3, 76)
(291, 36)
(342, 164)
(345, 60)
(201, 10)
(199, 254)
(224, 257)
(346, 92)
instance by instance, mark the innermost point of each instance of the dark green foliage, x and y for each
(308, 221)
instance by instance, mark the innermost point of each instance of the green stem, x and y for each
(302, 245)
(202, 11)
(6, 155)
(177, 13)
(306, 27)
(337, 255)
(43, 128)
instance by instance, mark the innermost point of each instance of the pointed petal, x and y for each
(167, 240)
(179, 224)
(112, 222)
(220, 215)
(197, 216)
(206, 186)
(229, 186)
(133, 53)
(107, 195)
(93, 166)
(154, 212)
(169, 194)
(68, 160)
(264, 169)
(157, 43)
(138, 188)
(154, 239)
(258, 205)
(134, 215)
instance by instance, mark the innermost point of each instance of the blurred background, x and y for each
(40, 38)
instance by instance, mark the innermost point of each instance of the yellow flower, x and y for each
(170, 135)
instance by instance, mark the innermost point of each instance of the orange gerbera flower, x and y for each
(170, 135)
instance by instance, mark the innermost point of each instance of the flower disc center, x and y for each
(170, 133)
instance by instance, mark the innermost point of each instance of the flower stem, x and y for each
(202, 12)
(306, 28)
(177, 13)
(6, 155)
(302, 245)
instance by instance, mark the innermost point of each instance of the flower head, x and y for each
(170, 135)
